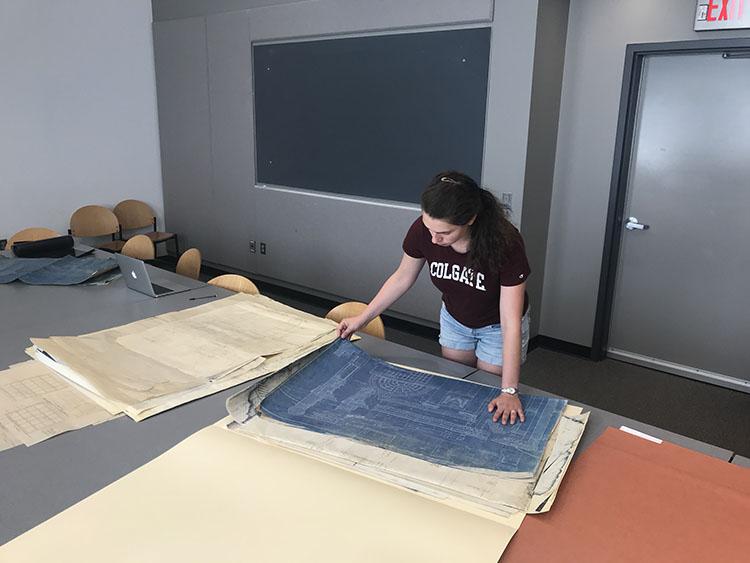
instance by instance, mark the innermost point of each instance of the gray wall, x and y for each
(77, 109)
(343, 247)
(334, 246)
(207, 135)
(598, 32)
(179, 9)
(549, 56)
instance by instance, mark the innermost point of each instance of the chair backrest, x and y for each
(353, 308)
(31, 234)
(93, 221)
(141, 247)
(234, 282)
(189, 263)
(134, 214)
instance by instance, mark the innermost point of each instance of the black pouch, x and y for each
(56, 247)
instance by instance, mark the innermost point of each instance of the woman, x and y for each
(477, 260)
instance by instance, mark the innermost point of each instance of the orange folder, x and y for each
(629, 499)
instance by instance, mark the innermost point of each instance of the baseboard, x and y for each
(548, 343)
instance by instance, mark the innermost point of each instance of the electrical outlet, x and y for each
(262, 247)
(252, 246)
(507, 199)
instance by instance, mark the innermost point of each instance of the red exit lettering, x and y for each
(728, 10)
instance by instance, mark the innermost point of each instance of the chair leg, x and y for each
(176, 247)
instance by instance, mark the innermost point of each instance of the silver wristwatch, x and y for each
(509, 390)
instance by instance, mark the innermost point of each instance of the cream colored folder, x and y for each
(220, 496)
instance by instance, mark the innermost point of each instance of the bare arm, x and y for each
(507, 407)
(393, 288)
(511, 311)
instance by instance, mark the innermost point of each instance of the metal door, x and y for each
(682, 294)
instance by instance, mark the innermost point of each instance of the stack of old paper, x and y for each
(152, 365)
(35, 404)
(417, 431)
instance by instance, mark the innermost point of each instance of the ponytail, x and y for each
(456, 198)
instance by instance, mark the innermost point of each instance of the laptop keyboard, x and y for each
(158, 289)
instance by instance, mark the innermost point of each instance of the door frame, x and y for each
(634, 56)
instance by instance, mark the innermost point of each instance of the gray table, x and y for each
(38, 482)
(741, 461)
(41, 311)
(599, 420)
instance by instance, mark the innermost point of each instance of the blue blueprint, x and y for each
(346, 392)
(13, 268)
(70, 271)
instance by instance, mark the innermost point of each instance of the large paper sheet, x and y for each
(219, 496)
(70, 271)
(218, 341)
(36, 404)
(166, 374)
(13, 268)
(627, 499)
(442, 420)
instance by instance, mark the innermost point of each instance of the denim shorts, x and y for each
(487, 341)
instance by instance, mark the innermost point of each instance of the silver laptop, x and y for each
(138, 279)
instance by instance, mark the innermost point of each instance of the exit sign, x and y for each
(722, 14)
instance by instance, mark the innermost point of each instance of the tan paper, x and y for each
(36, 404)
(489, 493)
(142, 384)
(220, 340)
(558, 461)
(219, 496)
(7, 440)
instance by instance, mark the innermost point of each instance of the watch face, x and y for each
(509, 390)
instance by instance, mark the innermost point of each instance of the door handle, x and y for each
(633, 224)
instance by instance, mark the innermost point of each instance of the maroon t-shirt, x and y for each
(472, 298)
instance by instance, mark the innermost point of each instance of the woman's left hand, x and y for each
(506, 407)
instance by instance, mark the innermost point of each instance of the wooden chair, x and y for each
(96, 221)
(30, 234)
(140, 246)
(233, 282)
(134, 214)
(353, 308)
(189, 263)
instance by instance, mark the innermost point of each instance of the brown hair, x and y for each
(456, 198)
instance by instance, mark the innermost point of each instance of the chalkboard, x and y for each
(373, 116)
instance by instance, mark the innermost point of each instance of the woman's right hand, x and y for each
(393, 288)
(349, 326)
